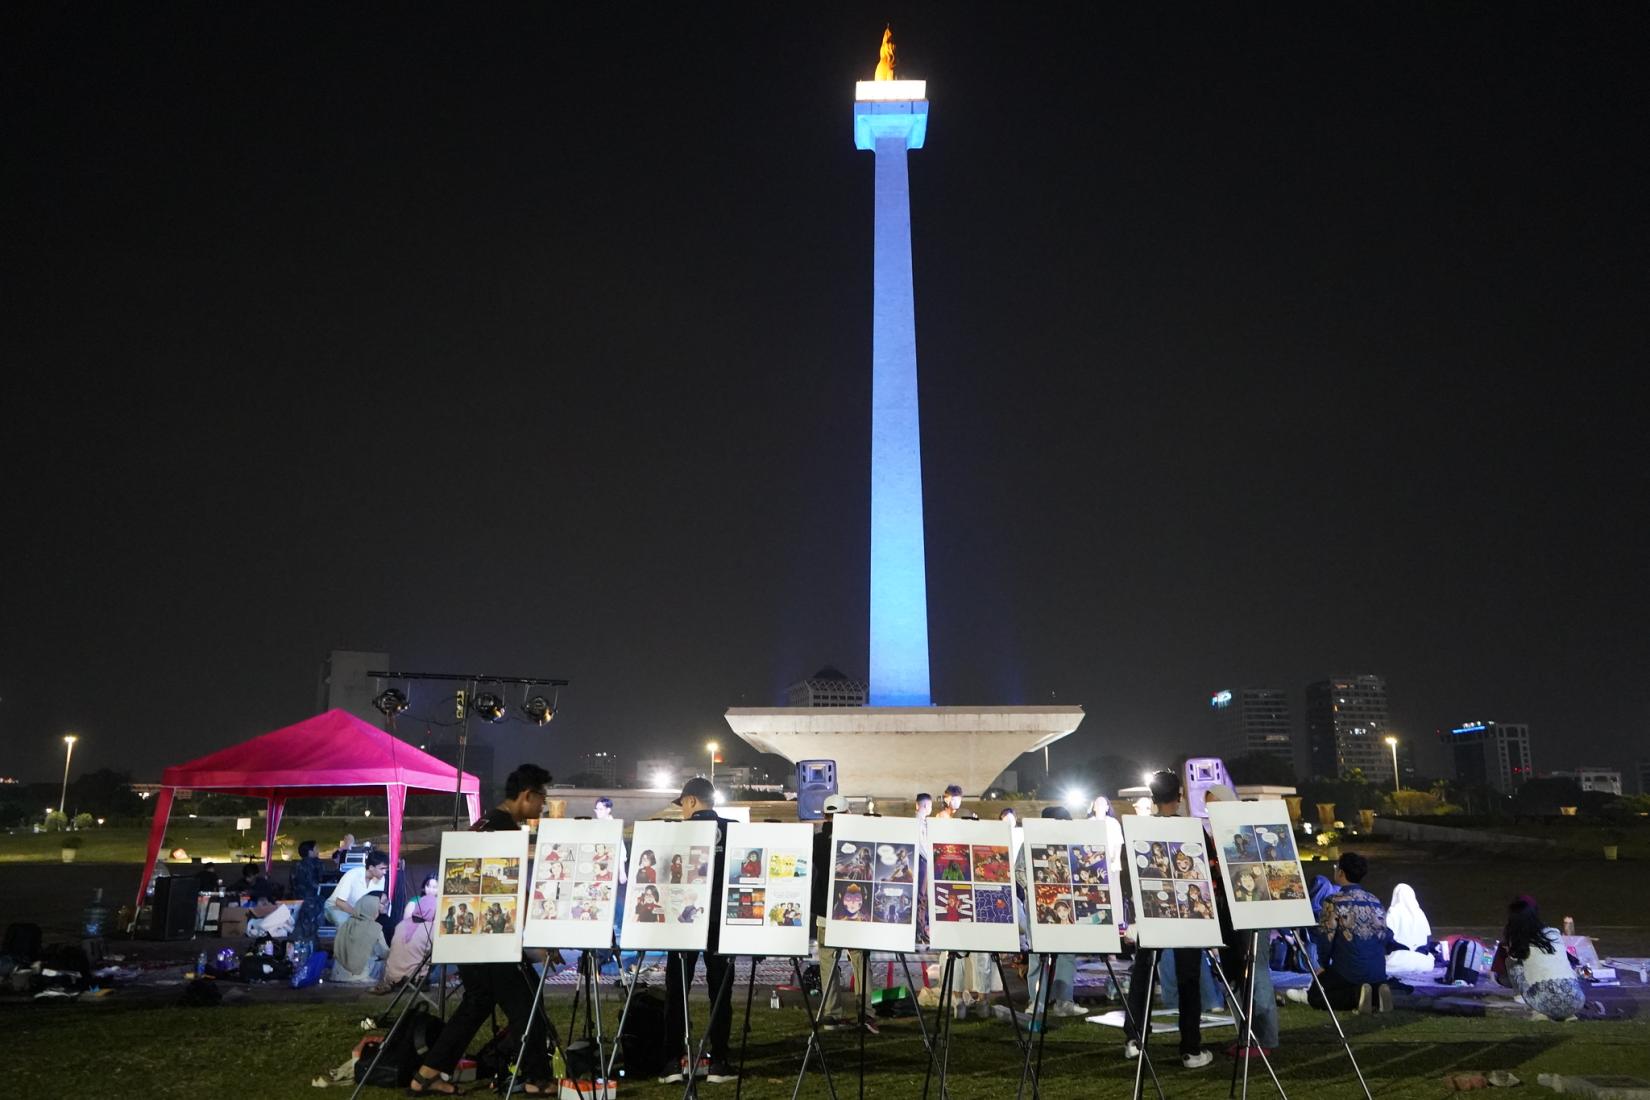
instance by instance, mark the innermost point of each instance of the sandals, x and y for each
(432, 1086)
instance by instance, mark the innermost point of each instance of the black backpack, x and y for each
(643, 1037)
(409, 1042)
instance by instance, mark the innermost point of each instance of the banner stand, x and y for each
(814, 1042)
(630, 991)
(1245, 1021)
(1128, 1016)
(1294, 934)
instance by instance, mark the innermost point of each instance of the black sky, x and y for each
(1255, 345)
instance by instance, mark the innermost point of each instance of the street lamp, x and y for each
(68, 754)
(711, 747)
(1397, 783)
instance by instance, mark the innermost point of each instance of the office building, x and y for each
(1347, 726)
(1491, 754)
(344, 684)
(600, 765)
(1250, 720)
(1588, 778)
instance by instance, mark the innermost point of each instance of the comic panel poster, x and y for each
(483, 886)
(765, 900)
(1255, 847)
(1174, 903)
(669, 899)
(1071, 904)
(575, 883)
(872, 904)
(971, 889)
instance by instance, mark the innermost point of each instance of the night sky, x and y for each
(1255, 346)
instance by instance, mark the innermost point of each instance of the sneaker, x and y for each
(679, 1074)
(869, 1023)
(832, 1023)
(718, 1072)
(1236, 1051)
(1067, 1008)
(1131, 1050)
(1296, 997)
(1196, 1061)
(1366, 999)
(1383, 998)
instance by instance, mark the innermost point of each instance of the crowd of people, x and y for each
(1356, 951)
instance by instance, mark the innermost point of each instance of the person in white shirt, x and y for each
(357, 883)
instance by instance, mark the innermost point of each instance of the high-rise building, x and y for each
(1590, 778)
(1491, 754)
(828, 687)
(1253, 720)
(1347, 726)
(1644, 776)
(602, 765)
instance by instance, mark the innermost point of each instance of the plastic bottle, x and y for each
(200, 965)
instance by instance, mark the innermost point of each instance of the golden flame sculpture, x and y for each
(885, 60)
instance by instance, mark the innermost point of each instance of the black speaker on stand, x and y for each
(172, 908)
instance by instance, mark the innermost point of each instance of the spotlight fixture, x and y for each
(489, 707)
(391, 702)
(538, 710)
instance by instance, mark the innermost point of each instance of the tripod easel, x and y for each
(1295, 936)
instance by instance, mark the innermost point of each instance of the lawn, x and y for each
(271, 1048)
(206, 838)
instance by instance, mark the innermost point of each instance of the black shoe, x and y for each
(720, 1073)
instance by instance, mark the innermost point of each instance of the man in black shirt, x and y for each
(698, 802)
(509, 986)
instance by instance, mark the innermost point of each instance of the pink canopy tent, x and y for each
(333, 755)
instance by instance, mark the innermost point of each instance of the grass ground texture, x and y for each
(271, 1050)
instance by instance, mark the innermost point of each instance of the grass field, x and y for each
(207, 839)
(271, 1049)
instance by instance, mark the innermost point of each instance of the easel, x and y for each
(624, 1013)
(1128, 1016)
(1245, 1019)
(691, 1089)
(1039, 1003)
(1295, 936)
(1143, 1026)
(532, 1013)
(409, 983)
(589, 990)
(814, 1042)
(941, 1047)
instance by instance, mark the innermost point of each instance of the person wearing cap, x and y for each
(830, 981)
(1188, 964)
(698, 803)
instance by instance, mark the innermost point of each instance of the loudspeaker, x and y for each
(172, 910)
(815, 782)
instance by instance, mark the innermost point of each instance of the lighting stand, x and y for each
(1301, 947)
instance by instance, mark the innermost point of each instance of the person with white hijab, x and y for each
(1410, 932)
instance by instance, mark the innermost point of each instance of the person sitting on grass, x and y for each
(1352, 939)
(1538, 965)
(359, 949)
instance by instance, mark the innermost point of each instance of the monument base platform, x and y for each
(894, 752)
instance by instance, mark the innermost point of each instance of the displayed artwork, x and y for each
(483, 885)
(769, 884)
(1071, 899)
(872, 903)
(971, 889)
(1259, 865)
(1174, 900)
(575, 884)
(668, 903)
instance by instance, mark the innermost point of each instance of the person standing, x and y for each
(698, 803)
(509, 986)
(1165, 795)
(1351, 940)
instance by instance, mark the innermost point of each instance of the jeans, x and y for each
(831, 986)
(508, 986)
(1232, 963)
(1214, 998)
(1065, 970)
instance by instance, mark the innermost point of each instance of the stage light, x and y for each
(538, 710)
(390, 702)
(1076, 798)
(489, 707)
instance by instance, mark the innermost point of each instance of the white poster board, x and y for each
(1265, 883)
(1071, 887)
(872, 904)
(769, 882)
(672, 888)
(483, 888)
(575, 884)
(1174, 903)
(971, 886)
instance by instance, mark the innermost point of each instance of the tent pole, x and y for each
(157, 837)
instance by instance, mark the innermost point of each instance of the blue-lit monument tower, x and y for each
(891, 118)
(900, 743)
